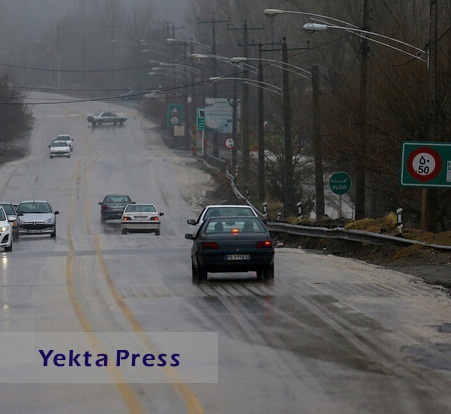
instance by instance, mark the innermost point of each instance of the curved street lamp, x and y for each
(312, 76)
(187, 43)
(259, 84)
(416, 53)
(326, 22)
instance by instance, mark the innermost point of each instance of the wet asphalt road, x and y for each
(330, 335)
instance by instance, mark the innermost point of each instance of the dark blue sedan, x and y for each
(232, 244)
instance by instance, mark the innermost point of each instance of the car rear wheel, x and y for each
(268, 272)
(53, 234)
(124, 231)
(157, 233)
(199, 273)
(194, 273)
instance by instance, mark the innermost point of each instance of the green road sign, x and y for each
(200, 119)
(426, 164)
(340, 182)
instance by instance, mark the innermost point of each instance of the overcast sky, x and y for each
(27, 14)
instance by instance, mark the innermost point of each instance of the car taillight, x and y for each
(263, 244)
(125, 218)
(154, 218)
(209, 245)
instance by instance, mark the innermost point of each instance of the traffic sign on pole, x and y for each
(201, 119)
(340, 182)
(426, 164)
(229, 142)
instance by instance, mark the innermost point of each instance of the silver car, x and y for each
(141, 217)
(6, 232)
(36, 217)
(59, 149)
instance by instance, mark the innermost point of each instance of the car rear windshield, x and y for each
(225, 225)
(117, 199)
(141, 208)
(229, 211)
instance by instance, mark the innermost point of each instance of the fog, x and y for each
(22, 18)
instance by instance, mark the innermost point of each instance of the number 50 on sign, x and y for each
(426, 164)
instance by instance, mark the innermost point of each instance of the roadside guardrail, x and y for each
(336, 233)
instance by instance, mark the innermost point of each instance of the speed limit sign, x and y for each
(229, 143)
(424, 164)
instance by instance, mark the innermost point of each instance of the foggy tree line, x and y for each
(100, 53)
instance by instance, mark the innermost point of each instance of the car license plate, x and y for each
(238, 257)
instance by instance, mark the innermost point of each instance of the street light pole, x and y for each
(261, 133)
(360, 173)
(430, 196)
(366, 35)
(317, 145)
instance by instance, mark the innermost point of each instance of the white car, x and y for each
(66, 138)
(11, 212)
(59, 149)
(141, 217)
(36, 217)
(6, 232)
(226, 210)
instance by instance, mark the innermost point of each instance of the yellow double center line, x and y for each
(129, 396)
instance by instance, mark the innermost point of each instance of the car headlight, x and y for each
(4, 228)
(49, 221)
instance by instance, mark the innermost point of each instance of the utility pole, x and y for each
(430, 196)
(317, 145)
(235, 125)
(261, 131)
(261, 128)
(213, 23)
(288, 205)
(245, 103)
(360, 174)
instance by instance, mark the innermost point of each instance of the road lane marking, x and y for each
(132, 402)
(192, 404)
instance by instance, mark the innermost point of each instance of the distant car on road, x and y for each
(112, 206)
(106, 117)
(11, 213)
(36, 217)
(141, 217)
(59, 149)
(66, 138)
(6, 232)
(232, 244)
